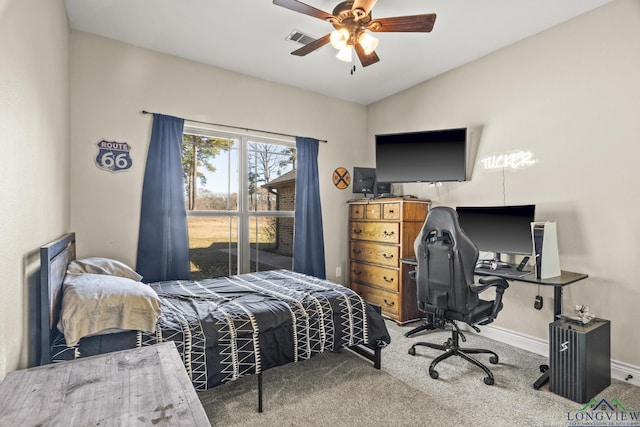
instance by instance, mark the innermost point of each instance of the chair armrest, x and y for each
(489, 281)
(500, 284)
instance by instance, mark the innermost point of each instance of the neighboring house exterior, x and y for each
(284, 187)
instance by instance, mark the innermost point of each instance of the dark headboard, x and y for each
(54, 258)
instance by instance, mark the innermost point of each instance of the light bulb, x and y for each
(339, 38)
(344, 54)
(368, 42)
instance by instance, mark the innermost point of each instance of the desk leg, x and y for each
(557, 301)
(557, 310)
(544, 378)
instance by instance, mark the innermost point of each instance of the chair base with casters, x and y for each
(427, 325)
(452, 348)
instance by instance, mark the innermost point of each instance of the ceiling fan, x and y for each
(351, 20)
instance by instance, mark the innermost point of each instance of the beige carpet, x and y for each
(335, 389)
(341, 389)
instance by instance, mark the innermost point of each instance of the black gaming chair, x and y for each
(446, 290)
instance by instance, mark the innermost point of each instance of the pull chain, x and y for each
(353, 63)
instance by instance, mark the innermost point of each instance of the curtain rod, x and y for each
(237, 127)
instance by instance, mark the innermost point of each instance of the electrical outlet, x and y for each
(338, 271)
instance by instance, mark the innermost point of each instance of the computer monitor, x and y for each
(499, 229)
(365, 182)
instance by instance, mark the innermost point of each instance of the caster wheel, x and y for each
(544, 368)
(493, 360)
(434, 374)
(488, 380)
(412, 351)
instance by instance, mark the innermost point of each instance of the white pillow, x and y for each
(96, 303)
(98, 265)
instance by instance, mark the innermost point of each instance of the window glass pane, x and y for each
(213, 183)
(221, 193)
(272, 177)
(213, 246)
(271, 241)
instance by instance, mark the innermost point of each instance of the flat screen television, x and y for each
(427, 156)
(365, 182)
(499, 229)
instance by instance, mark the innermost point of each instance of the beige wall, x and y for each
(34, 177)
(572, 95)
(112, 82)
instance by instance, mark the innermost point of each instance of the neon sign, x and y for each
(514, 160)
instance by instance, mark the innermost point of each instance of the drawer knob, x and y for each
(390, 304)
(387, 256)
(357, 251)
(389, 233)
(391, 211)
(357, 273)
(357, 231)
(388, 279)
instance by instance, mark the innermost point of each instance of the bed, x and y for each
(224, 328)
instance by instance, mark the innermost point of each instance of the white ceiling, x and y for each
(249, 37)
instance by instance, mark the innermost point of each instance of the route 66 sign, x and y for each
(114, 156)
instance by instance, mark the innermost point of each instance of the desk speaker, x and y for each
(579, 358)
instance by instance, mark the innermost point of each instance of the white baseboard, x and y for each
(619, 370)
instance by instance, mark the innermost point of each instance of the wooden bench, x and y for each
(143, 386)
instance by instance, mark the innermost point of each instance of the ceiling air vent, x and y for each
(299, 37)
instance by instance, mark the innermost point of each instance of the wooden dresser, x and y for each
(381, 231)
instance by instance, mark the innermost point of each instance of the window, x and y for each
(240, 199)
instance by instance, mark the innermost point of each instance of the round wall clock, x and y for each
(341, 178)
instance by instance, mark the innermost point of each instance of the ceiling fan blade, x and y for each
(414, 23)
(365, 59)
(297, 6)
(365, 5)
(310, 47)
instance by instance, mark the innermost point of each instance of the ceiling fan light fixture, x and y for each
(345, 54)
(339, 38)
(368, 42)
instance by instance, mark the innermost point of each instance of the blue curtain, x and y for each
(308, 241)
(163, 243)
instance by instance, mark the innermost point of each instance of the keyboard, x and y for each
(503, 272)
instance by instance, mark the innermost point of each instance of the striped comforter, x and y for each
(228, 327)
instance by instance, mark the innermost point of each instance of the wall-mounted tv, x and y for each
(427, 156)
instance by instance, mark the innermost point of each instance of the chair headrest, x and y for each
(443, 218)
(443, 221)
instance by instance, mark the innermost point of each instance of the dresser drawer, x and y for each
(387, 300)
(356, 211)
(381, 277)
(391, 211)
(375, 253)
(385, 232)
(373, 211)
